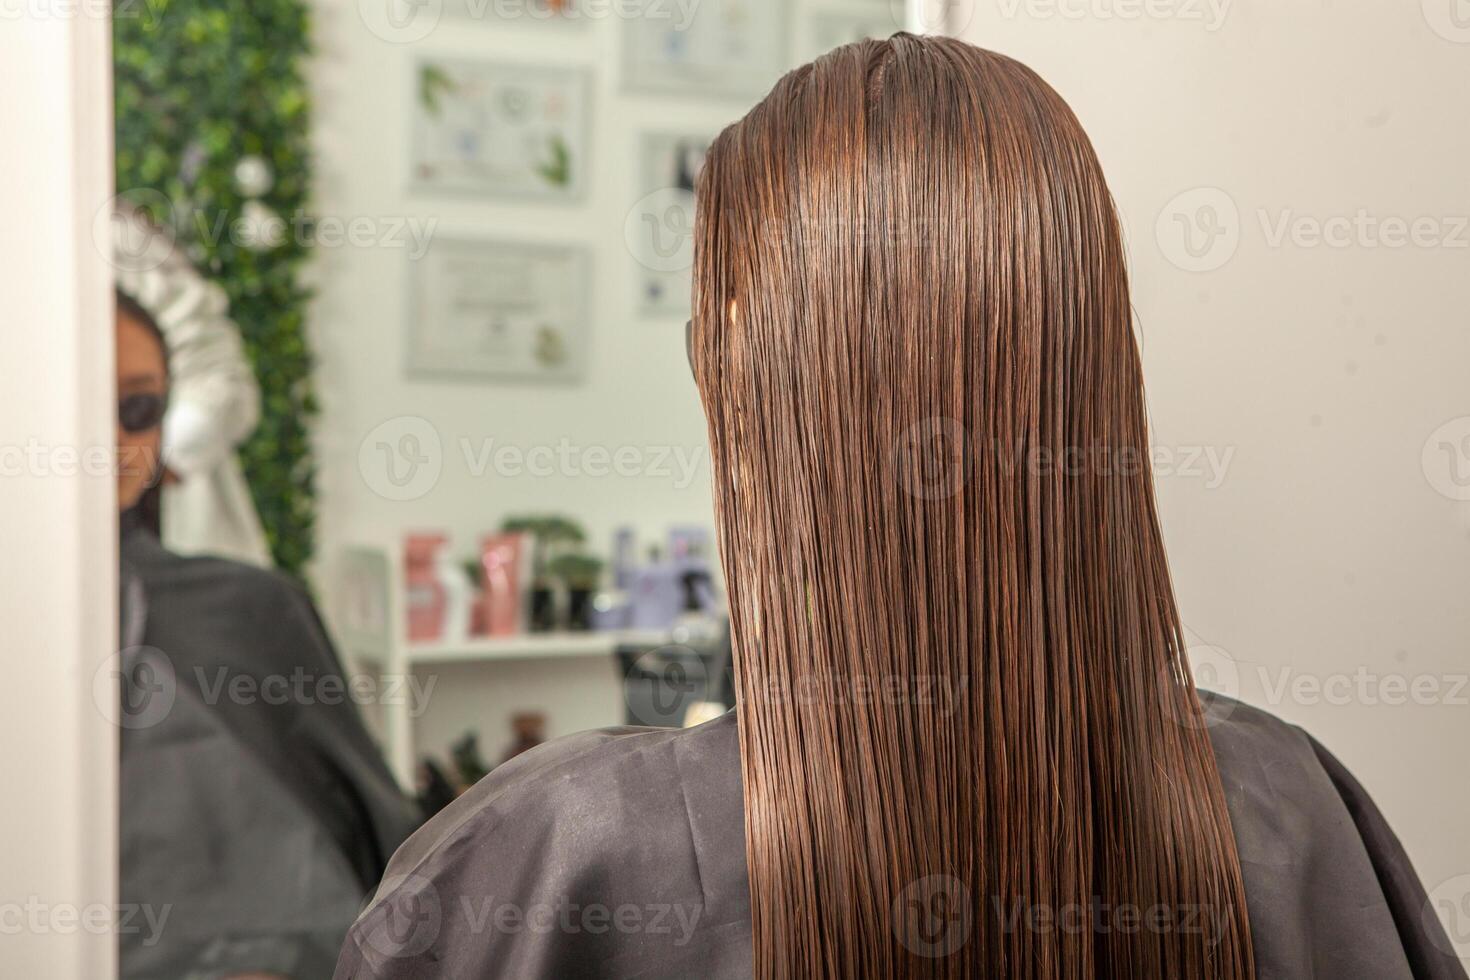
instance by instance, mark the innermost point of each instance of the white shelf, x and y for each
(532, 646)
(370, 624)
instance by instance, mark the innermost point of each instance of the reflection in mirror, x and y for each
(412, 473)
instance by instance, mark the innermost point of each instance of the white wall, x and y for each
(1326, 550)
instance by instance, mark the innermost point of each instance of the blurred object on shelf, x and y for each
(528, 729)
(656, 596)
(535, 577)
(579, 573)
(440, 596)
(552, 535)
(624, 557)
(469, 765)
(503, 560)
(434, 790)
(425, 597)
(611, 610)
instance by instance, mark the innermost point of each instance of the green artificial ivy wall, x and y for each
(202, 85)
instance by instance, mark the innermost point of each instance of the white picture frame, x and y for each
(499, 129)
(733, 49)
(498, 309)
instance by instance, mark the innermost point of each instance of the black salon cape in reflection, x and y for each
(621, 853)
(252, 823)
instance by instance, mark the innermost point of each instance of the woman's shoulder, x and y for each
(1330, 890)
(587, 787)
(612, 842)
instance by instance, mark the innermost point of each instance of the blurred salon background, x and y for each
(419, 273)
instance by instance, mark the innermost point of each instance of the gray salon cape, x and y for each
(256, 813)
(621, 853)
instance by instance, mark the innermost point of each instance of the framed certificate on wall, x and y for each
(499, 129)
(721, 48)
(483, 309)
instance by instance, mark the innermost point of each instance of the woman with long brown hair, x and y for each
(967, 742)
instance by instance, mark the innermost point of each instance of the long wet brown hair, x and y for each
(971, 746)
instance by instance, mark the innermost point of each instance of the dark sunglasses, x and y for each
(141, 412)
